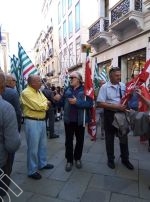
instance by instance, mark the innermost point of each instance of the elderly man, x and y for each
(34, 105)
(9, 137)
(109, 98)
(75, 107)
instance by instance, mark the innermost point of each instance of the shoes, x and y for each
(127, 164)
(35, 176)
(102, 136)
(78, 164)
(53, 136)
(48, 166)
(111, 164)
(68, 167)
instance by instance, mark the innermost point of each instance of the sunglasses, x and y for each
(73, 77)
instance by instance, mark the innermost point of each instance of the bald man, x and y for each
(35, 105)
(10, 81)
(9, 136)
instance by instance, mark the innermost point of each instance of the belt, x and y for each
(36, 119)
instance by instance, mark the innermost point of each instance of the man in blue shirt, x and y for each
(109, 98)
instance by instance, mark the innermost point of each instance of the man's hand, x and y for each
(72, 101)
(121, 107)
(57, 97)
(138, 91)
(49, 103)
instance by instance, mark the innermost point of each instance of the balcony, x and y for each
(147, 4)
(126, 16)
(98, 33)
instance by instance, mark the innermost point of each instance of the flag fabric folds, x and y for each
(26, 64)
(88, 85)
(89, 91)
(99, 76)
(136, 82)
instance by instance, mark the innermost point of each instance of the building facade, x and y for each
(66, 24)
(121, 36)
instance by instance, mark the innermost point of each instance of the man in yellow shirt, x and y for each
(34, 105)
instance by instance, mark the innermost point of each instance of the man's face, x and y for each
(115, 77)
(37, 83)
(74, 81)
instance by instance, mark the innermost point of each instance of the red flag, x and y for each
(136, 82)
(89, 91)
(142, 106)
(88, 85)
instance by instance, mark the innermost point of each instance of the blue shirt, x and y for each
(110, 93)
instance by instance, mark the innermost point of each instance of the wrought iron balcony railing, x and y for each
(99, 26)
(124, 7)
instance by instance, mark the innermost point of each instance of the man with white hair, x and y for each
(75, 107)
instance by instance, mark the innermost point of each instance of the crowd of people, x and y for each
(40, 103)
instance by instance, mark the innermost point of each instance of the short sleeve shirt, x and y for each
(110, 93)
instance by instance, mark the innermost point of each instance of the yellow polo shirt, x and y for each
(34, 103)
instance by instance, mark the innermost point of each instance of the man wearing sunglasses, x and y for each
(75, 105)
(109, 98)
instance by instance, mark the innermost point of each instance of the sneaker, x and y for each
(102, 136)
(48, 166)
(78, 164)
(53, 136)
(35, 176)
(68, 167)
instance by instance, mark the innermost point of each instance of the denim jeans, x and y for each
(36, 145)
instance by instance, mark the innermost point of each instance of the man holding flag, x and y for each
(109, 98)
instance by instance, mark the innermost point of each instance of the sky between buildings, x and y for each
(22, 19)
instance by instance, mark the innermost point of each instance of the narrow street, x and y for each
(95, 182)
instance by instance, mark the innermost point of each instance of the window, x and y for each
(60, 38)
(70, 25)
(77, 16)
(65, 64)
(53, 67)
(71, 63)
(78, 50)
(63, 7)
(60, 61)
(64, 32)
(69, 3)
(59, 13)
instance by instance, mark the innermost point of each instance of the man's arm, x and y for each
(10, 129)
(39, 103)
(145, 100)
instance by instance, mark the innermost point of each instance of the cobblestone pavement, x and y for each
(95, 182)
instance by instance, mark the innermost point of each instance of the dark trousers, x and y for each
(4, 179)
(71, 153)
(110, 132)
(50, 118)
